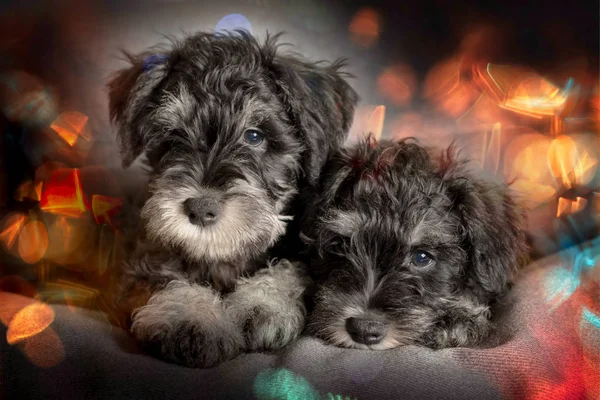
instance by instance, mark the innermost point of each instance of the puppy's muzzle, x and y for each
(366, 331)
(204, 210)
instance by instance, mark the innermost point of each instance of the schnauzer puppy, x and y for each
(409, 246)
(232, 130)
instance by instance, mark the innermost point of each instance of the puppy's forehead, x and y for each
(411, 206)
(184, 104)
(414, 226)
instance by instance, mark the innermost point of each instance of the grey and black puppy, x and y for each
(409, 246)
(232, 130)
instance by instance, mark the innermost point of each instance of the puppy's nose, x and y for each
(204, 210)
(365, 331)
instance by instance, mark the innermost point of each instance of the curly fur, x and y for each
(377, 206)
(187, 110)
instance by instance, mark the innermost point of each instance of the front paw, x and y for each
(463, 328)
(268, 307)
(185, 324)
(271, 327)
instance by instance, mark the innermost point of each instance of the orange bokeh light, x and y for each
(567, 206)
(105, 208)
(12, 227)
(11, 305)
(44, 172)
(490, 149)
(567, 165)
(70, 126)
(397, 84)
(443, 78)
(536, 97)
(66, 238)
(459, 101)
(63, 194)
(526, 165)
(29, 190)
(496, 80)
(33, 242)
(365, 27)
(533, 194)
(376, 121)
(445, 88)
(526, 158)
(29, 321)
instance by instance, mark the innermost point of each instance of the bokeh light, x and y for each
(29, 321)
(233, 22)
(535, 96)
(376, 122)
(70, 241)
(26, 100)
(70, 126)
(591, 318)
(11, 229)
(365, 27)
(62, 194)
(568, 165)
(283, 384)
(33, 242)
(448, 90)
(567, 206)
(104, 208)
(491, 148)
(29, 190)
(397, 84)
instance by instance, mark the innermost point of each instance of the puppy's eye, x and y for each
(422, 259)
(253, 137)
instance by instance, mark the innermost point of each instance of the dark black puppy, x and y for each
(409, 247)
(232, 129)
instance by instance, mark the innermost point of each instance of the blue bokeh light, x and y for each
(233, 22)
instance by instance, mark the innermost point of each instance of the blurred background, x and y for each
(515, 83)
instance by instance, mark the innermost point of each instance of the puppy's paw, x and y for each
(464, 328)
(269, 327)
(186, 324)
(268, 307)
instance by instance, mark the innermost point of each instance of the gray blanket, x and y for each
(547, 346)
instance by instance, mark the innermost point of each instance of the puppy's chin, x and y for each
(246, 228)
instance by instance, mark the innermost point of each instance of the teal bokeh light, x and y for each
(283, 384)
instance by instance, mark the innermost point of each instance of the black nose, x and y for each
(365, 331)
(204, 210)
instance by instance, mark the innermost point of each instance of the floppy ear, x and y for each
(130, 90)
(320, 102)
(493, 233)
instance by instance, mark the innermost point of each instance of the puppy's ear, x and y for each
(320, 102)
(492, 227)
(130, 90)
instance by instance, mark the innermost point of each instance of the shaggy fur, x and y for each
(408, 246)
(218, 200)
